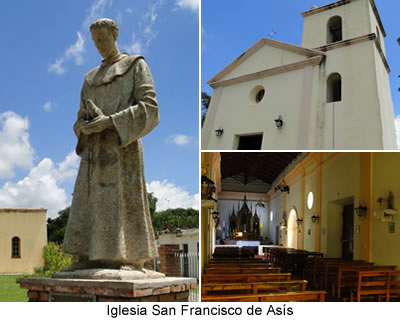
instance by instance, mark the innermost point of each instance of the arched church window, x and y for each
(334, 88)
(310, 200)
(260, 95)
(256, 94)
(334, 29)
(15, 247)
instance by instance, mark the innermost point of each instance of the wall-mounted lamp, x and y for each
(283, 188)
(261, 204)
(314, 218)
(215, 216)
(283, 223)
(361, 210)
(207, 188)
(299, 221)
(279, 122)
(219, 132)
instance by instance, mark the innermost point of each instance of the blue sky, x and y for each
(231, 27)
(46, 51)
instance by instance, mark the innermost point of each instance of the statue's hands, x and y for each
(92, 109)
(97, 125)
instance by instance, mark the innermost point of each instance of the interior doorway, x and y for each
(347, 231)
(253, 142)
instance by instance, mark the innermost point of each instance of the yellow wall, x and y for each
(30, 227)
(385, 245)
(340, 186)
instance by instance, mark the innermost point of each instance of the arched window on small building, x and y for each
(334, 88)
(334, 30)
(15, 247)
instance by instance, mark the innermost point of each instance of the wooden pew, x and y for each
(256, 287)
(242, 265)
(241, 270)
(327, 270)
(393, 285)
(247, 278)
(347, 276)
(273, 297)
(373, 284)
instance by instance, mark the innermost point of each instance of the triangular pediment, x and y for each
(264, 55)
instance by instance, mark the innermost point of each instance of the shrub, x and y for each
(55, 259)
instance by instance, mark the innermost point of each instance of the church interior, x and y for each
(299, 226)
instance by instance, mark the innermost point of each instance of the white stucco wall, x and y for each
(362, 120)
(356, 22)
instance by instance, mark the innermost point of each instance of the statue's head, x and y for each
(104, 34)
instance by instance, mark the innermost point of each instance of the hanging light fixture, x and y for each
(361, 210)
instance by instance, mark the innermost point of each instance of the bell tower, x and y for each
(354, 108)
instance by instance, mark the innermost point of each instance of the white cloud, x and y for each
(171, 196)
(189, 4)
(57, 67)
(74, 51)
(77, 49)
(136, 47)
(146, 33)
(397, 124)
(68, 168)
(41, 188)
(48, 106)
(15, 148)
(179, 139)
(129, 10)
(96, 11)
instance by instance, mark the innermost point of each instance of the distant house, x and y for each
(23, 235)
(188, 239)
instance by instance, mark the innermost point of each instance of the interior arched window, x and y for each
(334, 88)
(15, 247)
(334, 29)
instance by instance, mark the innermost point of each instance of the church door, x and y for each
(347, 231)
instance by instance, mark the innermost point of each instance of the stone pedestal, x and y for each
(74, 290)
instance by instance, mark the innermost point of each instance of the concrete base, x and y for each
(81, 290)
(110, 274)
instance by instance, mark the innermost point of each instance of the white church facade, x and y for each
(331, 93)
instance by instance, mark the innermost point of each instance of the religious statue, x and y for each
(109, 224)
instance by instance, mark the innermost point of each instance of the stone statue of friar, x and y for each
(109, 223)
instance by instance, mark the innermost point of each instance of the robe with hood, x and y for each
(109, 217)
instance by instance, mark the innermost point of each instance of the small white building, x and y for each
(331, 93)
(188, 239)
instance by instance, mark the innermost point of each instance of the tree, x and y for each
(56, 227)
(152, 203)
(205, 102)
(176, 218)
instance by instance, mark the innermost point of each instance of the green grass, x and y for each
(10, 290)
